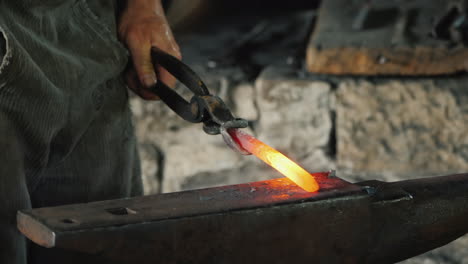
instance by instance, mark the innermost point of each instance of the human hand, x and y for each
(143, 25)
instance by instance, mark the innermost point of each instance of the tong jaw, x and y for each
(216, 115)
(218, 119)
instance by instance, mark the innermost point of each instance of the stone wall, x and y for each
(386, 128)
(409, 128)
(365, 128)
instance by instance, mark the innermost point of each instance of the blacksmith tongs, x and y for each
(203, 107)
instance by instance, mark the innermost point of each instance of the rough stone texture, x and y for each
(193, 152)
(295, 116)
(413, 127)
(244, 104)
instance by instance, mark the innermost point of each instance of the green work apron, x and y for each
(65, 125)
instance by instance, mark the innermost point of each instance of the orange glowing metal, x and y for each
(276, 160)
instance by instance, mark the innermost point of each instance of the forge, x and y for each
(271, 221)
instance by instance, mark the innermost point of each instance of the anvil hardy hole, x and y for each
(121, 211)
(69, 221)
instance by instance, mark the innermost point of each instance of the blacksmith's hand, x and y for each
(143, 25)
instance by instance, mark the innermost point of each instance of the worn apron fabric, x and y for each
(65, 124)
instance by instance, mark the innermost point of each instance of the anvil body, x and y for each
(263, 222)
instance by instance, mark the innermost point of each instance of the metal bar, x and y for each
(272, 221)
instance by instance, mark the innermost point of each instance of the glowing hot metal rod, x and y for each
(275, 159)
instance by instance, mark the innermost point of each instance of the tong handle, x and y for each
(180, 71)
(203, 107)
(187, 110)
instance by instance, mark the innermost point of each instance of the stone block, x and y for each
(243, 97)
(413, 127)
(191, 152)
(294, 114)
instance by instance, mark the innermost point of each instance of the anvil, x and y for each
(271, 221)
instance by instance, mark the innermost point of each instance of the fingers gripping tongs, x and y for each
(203, 107)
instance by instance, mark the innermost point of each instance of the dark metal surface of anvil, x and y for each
(263, 222)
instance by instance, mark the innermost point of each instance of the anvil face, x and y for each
(271, 221)
(153, 208)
